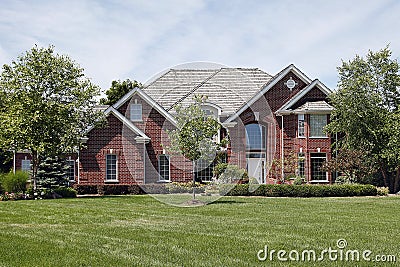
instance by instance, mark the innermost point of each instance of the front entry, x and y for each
(256, 169)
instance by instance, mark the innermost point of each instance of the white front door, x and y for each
(255, 168)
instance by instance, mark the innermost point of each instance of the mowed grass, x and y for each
(140, 231)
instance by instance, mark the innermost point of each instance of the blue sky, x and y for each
(138, 39)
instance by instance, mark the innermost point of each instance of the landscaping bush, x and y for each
(284, 190)
(155, 189)
(382, 191)
(65, 192)
(231, 174)
(85, 189)
(14, 182)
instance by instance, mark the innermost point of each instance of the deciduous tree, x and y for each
(367, 104)
(118, 89)
(46, 104)
(194, 136)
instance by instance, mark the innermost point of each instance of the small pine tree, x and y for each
(52, 173)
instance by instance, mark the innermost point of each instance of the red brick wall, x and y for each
(278, 95)
(137, 163)
(112, 139)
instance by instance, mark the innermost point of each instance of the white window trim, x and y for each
(116, 169)
(169, 169)
(141, 112)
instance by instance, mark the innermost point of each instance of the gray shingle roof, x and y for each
(316, 106)
(229, 88)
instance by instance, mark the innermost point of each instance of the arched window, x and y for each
(255, 137)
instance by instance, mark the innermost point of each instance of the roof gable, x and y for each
(149, 100)
(291, 68)
(316, 83)
(126, 122)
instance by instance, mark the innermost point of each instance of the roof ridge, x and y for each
(194, 89)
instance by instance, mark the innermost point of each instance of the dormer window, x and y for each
(136, 111)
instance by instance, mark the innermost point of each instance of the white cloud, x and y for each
(136, 39)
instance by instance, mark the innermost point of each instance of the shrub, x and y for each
(382, 191)
(15, 182)
(65, 192)
(155, 188)
(85, 189)
(285, 190)
(231, 174)
(298, 181)
(219, 169)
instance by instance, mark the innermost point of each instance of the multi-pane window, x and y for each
(111, 167)
(317, 160)
(301, 164)
(317, 124)
(300, 123)
(136, 112)
(71, 170)
(255, 137)
(26, 165)
(163, 166)
(204, 170)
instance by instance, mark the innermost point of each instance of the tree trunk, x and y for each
(194, 179)
(385, 182)
(397, 181)
(35, 166)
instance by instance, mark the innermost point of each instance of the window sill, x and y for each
(136, 120)
(111, 181)
(319, 137)
(319, 181)
(163, 181)
(301, 137)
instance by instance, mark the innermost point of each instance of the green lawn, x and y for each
(140, 231)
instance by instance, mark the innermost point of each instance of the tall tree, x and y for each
(47, 104)
(194, 136)
(366, 103)
(118, 89)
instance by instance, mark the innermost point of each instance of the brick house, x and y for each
(268, 119)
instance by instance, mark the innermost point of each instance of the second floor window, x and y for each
(317, 124)
(136, 112)
(300, 123)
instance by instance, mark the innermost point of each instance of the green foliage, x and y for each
(298, 181)
(46, 104)
(118, 89)
(354, 165)
(285, 190)
(6, 161)
(219, 169)
(367, 106)
(65, 192)
(232, 174)
(52, 173)
(382, 191)
(195, 132)
(14, 183)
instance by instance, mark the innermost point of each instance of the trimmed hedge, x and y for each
(121, 189)
(108, 189)
(284, 190)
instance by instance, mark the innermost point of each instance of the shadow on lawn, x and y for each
(226, 201)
